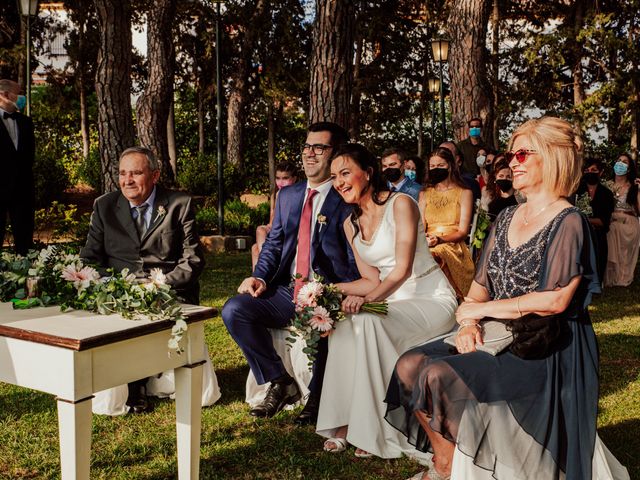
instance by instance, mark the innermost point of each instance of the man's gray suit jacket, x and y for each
(171, 242)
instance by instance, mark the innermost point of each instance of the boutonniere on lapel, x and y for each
(322, 221)
(161, 212)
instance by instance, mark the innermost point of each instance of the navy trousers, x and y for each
(248, 319)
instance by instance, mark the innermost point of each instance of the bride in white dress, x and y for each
(390, 249)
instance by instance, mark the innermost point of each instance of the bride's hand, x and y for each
(352, 304)
(470, 310)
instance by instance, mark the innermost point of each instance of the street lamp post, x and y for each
(440, 49)
(219, 122)
(434, 87)
(28, 8)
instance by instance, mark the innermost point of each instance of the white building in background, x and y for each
(54, 53)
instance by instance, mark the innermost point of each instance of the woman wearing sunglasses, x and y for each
(624, 231)
(530, 410)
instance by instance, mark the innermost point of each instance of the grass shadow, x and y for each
(619, 361)
(623, 441)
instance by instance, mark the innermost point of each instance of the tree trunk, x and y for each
(495, 62)
(81, 85)
(171, 139)
(154, 104)
(113, 87)
(576, 67)
(470, 91)
(356, 93)
(239, 87)
(331, 62)
(201, 136)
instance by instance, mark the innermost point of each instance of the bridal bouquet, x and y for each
(318, 309)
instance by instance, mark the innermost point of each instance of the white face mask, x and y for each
(480, 160)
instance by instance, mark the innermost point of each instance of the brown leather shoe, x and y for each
(278, 395)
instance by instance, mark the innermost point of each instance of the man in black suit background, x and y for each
(17, 152)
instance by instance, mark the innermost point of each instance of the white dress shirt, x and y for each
(148, 212)
(323, 190)
(11, 126)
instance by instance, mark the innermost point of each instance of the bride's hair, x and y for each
(369, 163)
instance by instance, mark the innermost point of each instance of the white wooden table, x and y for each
(74, 354)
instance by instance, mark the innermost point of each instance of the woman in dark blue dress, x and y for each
(505, 416)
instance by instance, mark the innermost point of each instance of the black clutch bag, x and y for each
(536, 337)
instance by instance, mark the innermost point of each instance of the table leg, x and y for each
(188, 418)
(74, 426)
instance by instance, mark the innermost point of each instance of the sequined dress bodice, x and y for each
(516, 271)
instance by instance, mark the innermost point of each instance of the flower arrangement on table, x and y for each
(317, 310)
(54, 276)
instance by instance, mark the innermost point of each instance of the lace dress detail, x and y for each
(516, 271)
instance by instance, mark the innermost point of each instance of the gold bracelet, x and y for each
(518, 307)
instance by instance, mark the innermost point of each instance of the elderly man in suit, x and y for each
(143, 226)
(17, 151)
(306, 237)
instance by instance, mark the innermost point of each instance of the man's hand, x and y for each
(252, 286)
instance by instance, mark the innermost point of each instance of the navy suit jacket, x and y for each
(331, 255)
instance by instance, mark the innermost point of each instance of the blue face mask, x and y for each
(474, 131)
(620, 168)
(410, 174)
(21, 102)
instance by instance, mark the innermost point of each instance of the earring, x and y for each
(367, 178)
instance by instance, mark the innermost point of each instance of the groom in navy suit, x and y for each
(306, 237)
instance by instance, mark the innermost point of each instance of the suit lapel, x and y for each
(123, 213)
(329, 207)
(6, 138)
(159, 211)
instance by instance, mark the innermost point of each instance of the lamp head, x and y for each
(440, 49)
(434, 85)
(28, 7)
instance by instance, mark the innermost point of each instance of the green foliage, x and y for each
(49, 174)
(60, 222)
(89, 171)
(483, 225)
(239, 218)
(197, 173)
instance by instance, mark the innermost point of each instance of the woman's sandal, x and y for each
(362, 453)
(432, 473)
(340, 443)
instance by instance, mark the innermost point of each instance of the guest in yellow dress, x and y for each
(446, 206)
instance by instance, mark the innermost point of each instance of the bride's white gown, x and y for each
(364, 347)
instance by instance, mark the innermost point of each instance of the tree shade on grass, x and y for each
(237, 446)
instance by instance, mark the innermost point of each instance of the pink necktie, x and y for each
(304, 243)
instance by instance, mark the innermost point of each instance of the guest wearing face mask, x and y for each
(286, 174)
(470, 146)
(501, 186)
(623, 238)
(446, 206)
(602, 203)
(17, 152)
(414, 168)
(394, 170)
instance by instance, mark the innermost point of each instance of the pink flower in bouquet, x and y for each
(308, 294)
(321, 320)
(81, 278)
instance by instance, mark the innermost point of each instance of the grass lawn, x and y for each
(237, 446)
